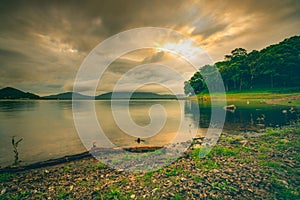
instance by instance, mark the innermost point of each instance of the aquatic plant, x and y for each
(15, 146)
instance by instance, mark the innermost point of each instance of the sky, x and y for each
(43, 43)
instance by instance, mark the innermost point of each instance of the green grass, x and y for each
(101, 166)
(177, 197)
(273, 164)
(63, 194)
(197, 178)
(282, 191)
(5, 177)
(207, 165)
(224, 186)
(289, 103)
(259, 95)
(174, 172)
(114, 194)
(148, 176)
(224, 151)
(196, 153)
(67, 167)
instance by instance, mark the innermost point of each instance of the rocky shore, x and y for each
(246, 166)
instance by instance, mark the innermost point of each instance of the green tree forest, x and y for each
(275, 66)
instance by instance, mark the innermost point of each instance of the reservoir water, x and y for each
(48, 130)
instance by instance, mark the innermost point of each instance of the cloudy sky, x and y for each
(43, 43)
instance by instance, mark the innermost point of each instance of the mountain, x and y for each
(67, 96)
(135, 95)
(13, 93)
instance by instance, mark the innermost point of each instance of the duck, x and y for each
(139, 140)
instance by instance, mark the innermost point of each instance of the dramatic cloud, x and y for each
(43, 43)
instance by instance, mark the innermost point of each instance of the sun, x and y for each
(184, 47)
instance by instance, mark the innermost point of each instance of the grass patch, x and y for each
(148, 176)
(200, 153)
(114, 194)
(5, 177)
(224, 186)
(173, 172)
(273, 164)
(208, 165)
(62, 194)
(282, 191)
(67, 167)
(272, 132)
(224, 151)
(264, 149)
(177, 197)
(289, 103)
(197, 178)
(100, 165)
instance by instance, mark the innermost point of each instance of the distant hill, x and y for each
(13, 93)
(135, 95)
(67, 96)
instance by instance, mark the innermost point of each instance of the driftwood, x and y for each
(142, 149)
(50, 162)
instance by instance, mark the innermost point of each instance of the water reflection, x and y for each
(248, 117)
(49, 132)
(174, 130)
(46, 128)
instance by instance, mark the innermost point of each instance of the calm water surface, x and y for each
(48, 130)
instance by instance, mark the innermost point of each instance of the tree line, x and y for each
(275, 66)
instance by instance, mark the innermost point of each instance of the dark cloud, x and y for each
(6, 54)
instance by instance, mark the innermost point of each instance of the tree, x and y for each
(274, 66)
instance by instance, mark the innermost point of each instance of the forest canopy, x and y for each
(275, 66)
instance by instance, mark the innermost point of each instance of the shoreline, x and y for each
(74, 157)
(246, 166)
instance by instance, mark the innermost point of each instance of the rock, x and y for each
(243, 142)
(132, 196)
(3, 191)
(284, 182)
(154, 190)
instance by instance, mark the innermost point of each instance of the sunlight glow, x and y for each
(184, 48)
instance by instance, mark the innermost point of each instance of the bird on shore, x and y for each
(139, 140)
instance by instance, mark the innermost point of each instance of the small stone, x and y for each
(3, 191)
(132, 196)
(154, 190)
(183, 179)
(284, 183)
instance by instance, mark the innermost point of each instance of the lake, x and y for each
(48, 129)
